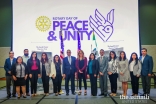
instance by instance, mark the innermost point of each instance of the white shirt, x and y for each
(11, 60)
(131, 65)
(25, 59)
(142, 59)
(69, 59)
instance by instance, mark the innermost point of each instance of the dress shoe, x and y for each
(67, 94)
(13, 95)
(9, 96)
(114, 94)
(105, 95)
(143, 95)
(73, 93)
(101, 94)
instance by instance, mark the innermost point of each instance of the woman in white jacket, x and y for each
(56, 74)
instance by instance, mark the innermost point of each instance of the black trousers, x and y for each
(146, 84)
(27, 84)
(71, 77)
(93, 82)
(45, 81)
(82, 76)
(57, 83)
(134, 83)
(113, 82)
(34, 82)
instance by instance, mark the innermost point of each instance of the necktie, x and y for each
(11, 61)
(101, 60)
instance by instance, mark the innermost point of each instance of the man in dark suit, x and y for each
(147, 67)
(7, 66)
(69, 70)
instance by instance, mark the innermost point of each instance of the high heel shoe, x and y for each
(85, 93)
(111, 94)
(79, 93)
(24, 96)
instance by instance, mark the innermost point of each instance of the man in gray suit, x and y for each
(147, 67)
(103, 65)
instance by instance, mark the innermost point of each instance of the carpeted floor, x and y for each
(88, 99)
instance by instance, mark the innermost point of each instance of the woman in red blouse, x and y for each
(34, 72)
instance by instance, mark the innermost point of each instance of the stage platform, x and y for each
(81, 99)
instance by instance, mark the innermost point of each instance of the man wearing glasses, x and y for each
(7, 66)
(69, 70)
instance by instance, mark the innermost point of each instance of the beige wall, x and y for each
(5, 50)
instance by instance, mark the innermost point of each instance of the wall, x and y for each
(147, 24)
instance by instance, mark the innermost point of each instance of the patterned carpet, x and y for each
(63, 99)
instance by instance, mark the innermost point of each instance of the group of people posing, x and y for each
(23, 69)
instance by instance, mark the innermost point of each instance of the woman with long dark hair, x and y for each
(19, 72)
(45, 66)
(124, 74)
(113, 72)
(92, 71)
(135, 71)
(56, 74)
(34, 72)
(81, 65)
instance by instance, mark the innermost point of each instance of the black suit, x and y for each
(92, 70)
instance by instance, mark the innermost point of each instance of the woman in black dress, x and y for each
(19, 73)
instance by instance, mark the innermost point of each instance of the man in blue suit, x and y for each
(147, 67)
(69, 70)
(7, 66)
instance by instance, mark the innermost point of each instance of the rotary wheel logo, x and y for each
(43, 23)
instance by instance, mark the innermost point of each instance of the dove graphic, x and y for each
(101, 26)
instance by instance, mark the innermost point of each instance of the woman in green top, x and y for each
(92, 71)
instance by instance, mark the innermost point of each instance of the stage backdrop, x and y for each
(37, 25)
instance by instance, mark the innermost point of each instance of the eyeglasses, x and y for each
(11, 53)
(68, 52)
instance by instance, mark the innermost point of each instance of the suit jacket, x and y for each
(67, 67)
(147, 65)
(53, 70)
(7, 65)
(136, 68)
(95, 67)
(103, 66)
(14, 72)
(47, 68)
